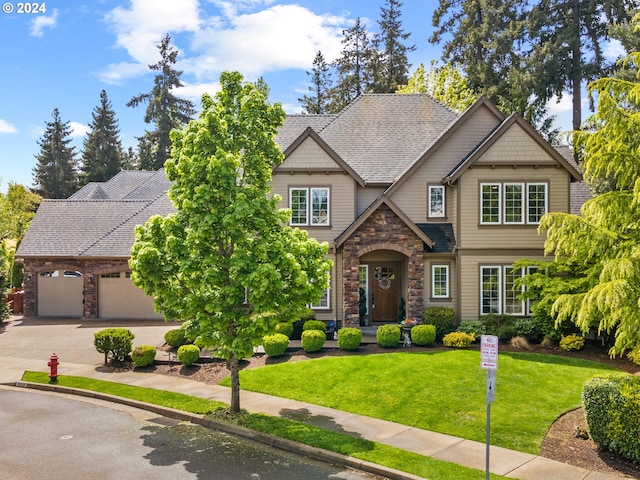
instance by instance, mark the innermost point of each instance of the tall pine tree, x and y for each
(55, 173)
(390, 65)
(102, 156)
(164, 109)
(320, 87)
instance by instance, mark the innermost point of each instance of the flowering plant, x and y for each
(409, 322)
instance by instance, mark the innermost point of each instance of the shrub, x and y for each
(458, 339)
(313, 340)
(188, 354)
(572, 342)
(443, 318)
(314, 325)
(477, 327)
(143, 355)
(494, 323)
(520, 343)
(634, 355)
(612, 410)
(176, 338)
(528, 328)
(423, 335)
(548, 342)
(276, 344)
(115, 343)
(506, 332)
(349, 338)
(388, 335)
(285, 328)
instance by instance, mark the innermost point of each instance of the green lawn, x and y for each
(442, 391)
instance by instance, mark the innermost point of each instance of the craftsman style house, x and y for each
(420, 207)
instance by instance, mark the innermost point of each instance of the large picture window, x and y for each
(436, 201)
(498, 291)
(309, 206)
(512, 203)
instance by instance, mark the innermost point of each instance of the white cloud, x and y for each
(41, 22)
(6, 127)
(195, 91)
(116, 72)
(78, 130)
(563, 105)
(614, 50)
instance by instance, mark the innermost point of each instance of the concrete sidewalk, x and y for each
(504, 462)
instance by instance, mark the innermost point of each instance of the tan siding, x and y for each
(309, 155)
(473, 235)
(515, 146)
(366, 196)
(341, 204)
(453, 283)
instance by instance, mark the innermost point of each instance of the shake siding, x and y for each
(474, 235)
(309, 155)
(515, 145)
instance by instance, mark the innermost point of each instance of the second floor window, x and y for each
(436, 201)
(309, 206)
(512, 203)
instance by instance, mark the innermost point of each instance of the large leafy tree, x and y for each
(390, 65)
(55, 173)
(446, 84)
(102, 155)
(320, 88)
(164, 109)
(226, 262)
(600, 247)
(17, 208)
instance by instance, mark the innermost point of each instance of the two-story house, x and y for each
(420, 207)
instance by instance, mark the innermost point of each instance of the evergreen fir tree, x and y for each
(390, 66)
(55, 174)
(164, 109)
(320, 87)
(353, 67)
(102, 156)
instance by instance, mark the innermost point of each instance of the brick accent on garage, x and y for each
(383, 230)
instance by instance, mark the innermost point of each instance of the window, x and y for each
(506, 203)
(309, 206)
(440, 281)
(436, 201)
(323, 303)
(499, 293)
(536, 201)
(110, 275)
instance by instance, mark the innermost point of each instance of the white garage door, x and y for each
(60, 294)
(119, 298)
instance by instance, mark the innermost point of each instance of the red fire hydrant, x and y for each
(53, 364)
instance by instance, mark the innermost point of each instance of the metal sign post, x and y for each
(489, 362)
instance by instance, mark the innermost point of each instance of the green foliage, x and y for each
(423, 335)
(313, 340)
(188, 354)
(388, 335)
(314, 325)
(143, 355)
(528, 328)
(502, 326)
(114, 343)
(17, 208)
(320, 87)
(285, 328)
(226, 262)
(476, 327)
(458, 339)
(349, 338)
(176, 338)
(612, 410)
(275, 345)
(444, 319)
(634, 355)
(572, 342)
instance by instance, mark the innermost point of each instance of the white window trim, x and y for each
(327, 293)
(433, 283)
(295, 189)
(500, 207)
(523, 199)
(507, 270)
(546, 200)
(309, 213)
(433, 214)
(500, 288)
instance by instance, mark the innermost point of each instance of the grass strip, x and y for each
(337, 442)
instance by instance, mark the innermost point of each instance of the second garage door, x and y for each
(119, 298)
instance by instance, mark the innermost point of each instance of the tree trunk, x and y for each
(235, 384)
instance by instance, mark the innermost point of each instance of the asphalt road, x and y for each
(49, 436)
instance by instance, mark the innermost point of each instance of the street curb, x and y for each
(277, 442)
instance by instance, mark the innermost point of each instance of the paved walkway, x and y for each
(30, 338)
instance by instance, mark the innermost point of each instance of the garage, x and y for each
(60, 293)
(119, 298)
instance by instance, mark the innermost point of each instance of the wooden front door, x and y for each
(385, 280)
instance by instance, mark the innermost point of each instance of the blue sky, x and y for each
(64, 57)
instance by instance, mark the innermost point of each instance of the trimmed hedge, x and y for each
(458, 339)
(313, 340)
(443, 318)
(314, 325)
(572, 342)
(612, 410)
(115, 343)
(388, 335)
(423, 335)
(285, 328)
(276, 344)
(188, 354)
(349, 338)
(176, 338)
(143, 355)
